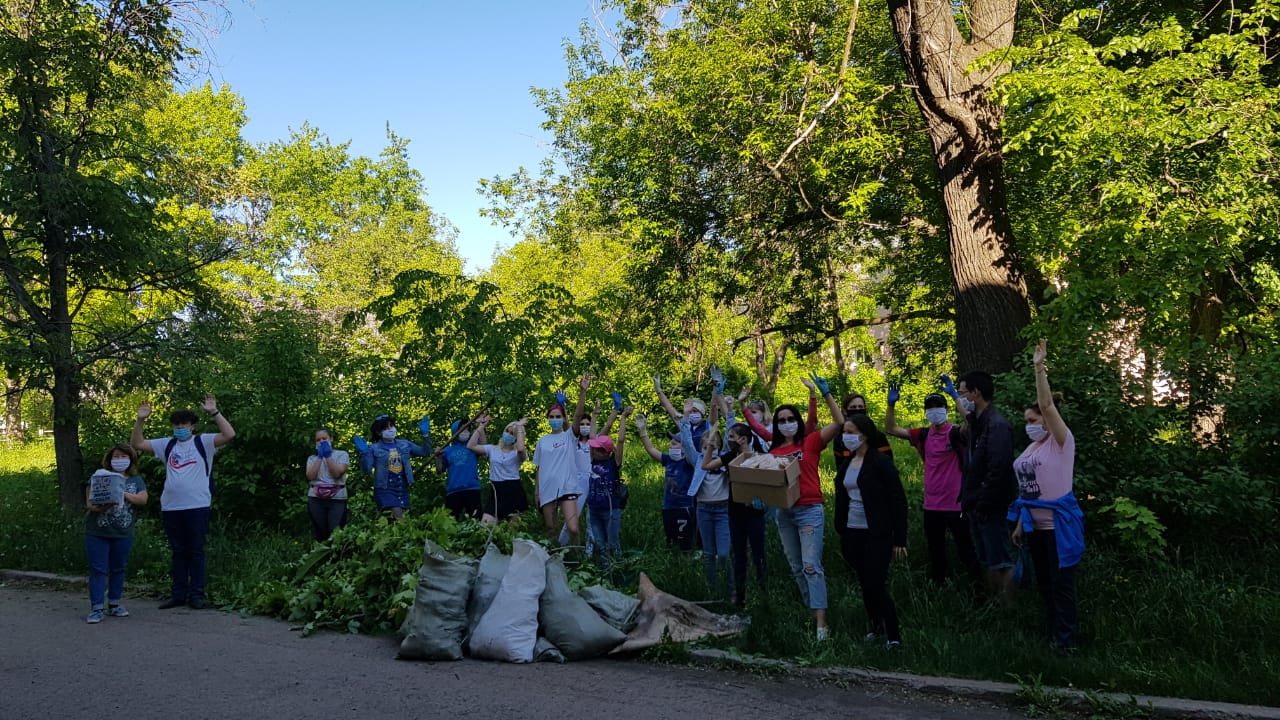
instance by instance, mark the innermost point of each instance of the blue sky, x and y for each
(452, 77)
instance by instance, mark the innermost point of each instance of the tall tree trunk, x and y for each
(1206, 369)
(964, 125)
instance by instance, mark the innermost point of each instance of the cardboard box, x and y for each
(775, 488)
(106, 489)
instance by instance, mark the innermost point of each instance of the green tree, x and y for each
(88, 220)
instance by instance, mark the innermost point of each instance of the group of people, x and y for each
(973, 489)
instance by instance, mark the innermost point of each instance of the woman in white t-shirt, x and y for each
(1045, 471)
(327, 492)
(557, 480)
(506, 497)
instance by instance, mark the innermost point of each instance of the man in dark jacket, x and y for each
(989, 483)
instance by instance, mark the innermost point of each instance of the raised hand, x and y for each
(424, 425)
(617, 400)
(626, 411)
(895, 392)
(642, 424)
(657, 383)
(144, 409)
(1042, 352)
(744, 393)
(948, 387)
(362, 447)
(809, 384)
(483, 420)
(210, 404)
(585, 382)
(718, 376)
(561, 399)
(824, 388)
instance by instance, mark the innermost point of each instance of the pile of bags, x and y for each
(519, 608)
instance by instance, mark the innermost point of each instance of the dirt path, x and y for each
(192, 665)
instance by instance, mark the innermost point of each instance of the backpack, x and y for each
(957, 444)
(208, 469)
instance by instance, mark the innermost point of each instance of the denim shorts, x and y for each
(991, 540)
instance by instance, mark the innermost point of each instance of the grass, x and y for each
(1198, 624)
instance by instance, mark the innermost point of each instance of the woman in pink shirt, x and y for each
(1044, 471)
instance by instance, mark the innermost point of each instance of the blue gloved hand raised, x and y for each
(717, 375)
(361, 446)
(324, 449)
(561, 399)
(424, 425)
(824, 388)
(895, 392)
(948, 387)
(617, 400)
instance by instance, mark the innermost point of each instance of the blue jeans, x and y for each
(713, 526)
(800, 529)
(991, 541)
(605, 525)
(186, 530)
(108, 558)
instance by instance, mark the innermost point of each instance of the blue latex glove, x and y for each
(361, 446)
(948, 387)
(824, 388)
(424, 425)
(617, 400)
(324, 449)
(562, 399)
(718, 376)
(895, 392)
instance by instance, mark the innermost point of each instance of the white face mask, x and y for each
(967, 405)
(120, 464)
(584, 430)
(851, 441)
(464, 436)
(1036, 432)
(789, 427)
(759, 416)
(695, 417)
(936, 416)
(389, 434)
(676, 453)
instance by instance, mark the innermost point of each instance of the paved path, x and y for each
(189, 665)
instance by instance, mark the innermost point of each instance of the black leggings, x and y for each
(869, 557)
(327, 515)
(936, 525)
(1057, 587)
(746, 526)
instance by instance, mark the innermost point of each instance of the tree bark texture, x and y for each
(13, 430)
(964, 125)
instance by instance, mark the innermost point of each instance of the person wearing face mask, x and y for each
(756, 414)
(187, 495)
(678, 515)
(327, 489)
(1046, 515)
(871, 519)
(557, 486)
(989, 484)
(856, 404)
(462, 472)
(506, 498)
(800, 526)
(108, 532)
(942, 448)
(387, 459)
(583, 429)
(746, 520)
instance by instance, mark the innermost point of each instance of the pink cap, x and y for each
(604, 442)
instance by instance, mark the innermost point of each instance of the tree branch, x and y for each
(795, 328)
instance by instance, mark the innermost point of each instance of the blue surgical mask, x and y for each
(508, 439)
(1036, 432)
(852, 441)
(555, 423)
(182, 433)
(695, 417)
(120, 464)
(389, 434)
(967, 405)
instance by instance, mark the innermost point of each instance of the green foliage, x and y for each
(1137, 528)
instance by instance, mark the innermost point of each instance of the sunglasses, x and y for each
(784, 419)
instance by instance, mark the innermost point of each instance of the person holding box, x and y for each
(108, 529)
